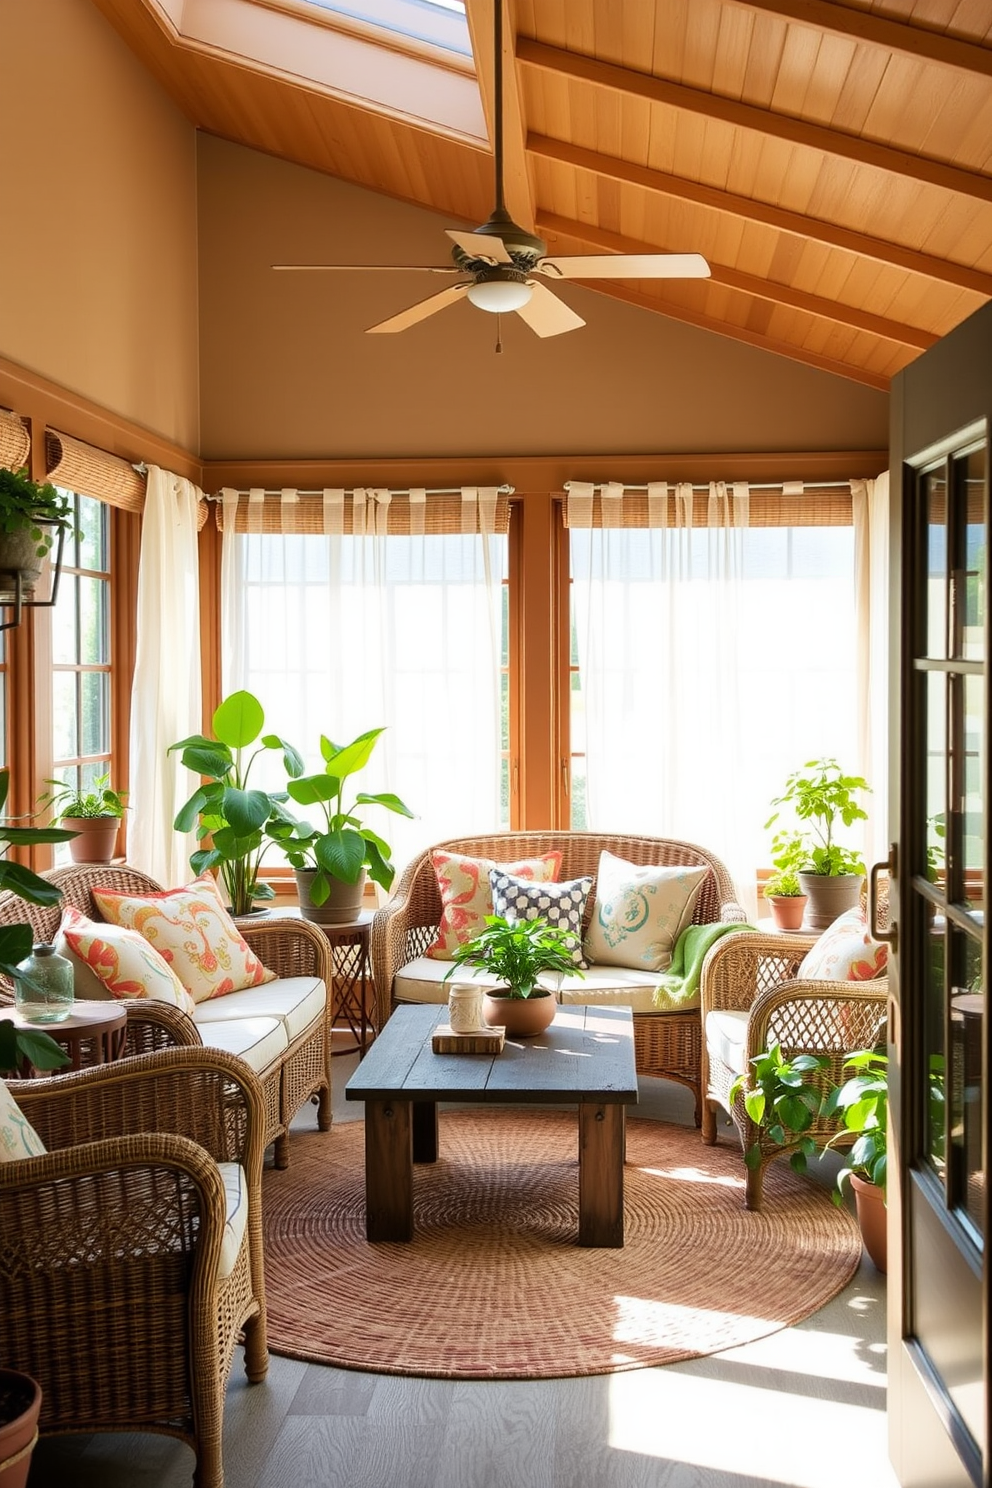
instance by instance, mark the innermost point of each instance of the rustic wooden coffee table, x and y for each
(586, 1058)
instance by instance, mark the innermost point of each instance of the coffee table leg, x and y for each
(388, 1170)
(601, 1144)
(425, 1131)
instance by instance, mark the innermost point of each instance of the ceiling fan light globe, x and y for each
(499, 296)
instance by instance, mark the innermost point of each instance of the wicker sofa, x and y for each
(281, 1029)
(667, 1044)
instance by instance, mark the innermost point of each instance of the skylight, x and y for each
(440, 22)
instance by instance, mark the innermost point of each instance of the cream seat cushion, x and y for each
(258, 1041)
(236, 1215)
(296, 1001)
(725, 1031)
(617, 986)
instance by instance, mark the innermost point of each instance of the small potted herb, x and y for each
(94, 816)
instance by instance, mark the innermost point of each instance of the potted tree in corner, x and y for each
(823, 799)
(94, 816)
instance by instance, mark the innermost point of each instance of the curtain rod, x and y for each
(793, 488)
(503, 490)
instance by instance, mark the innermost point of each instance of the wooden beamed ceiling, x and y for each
(832, 161)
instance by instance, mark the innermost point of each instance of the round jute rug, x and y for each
(493, 1285)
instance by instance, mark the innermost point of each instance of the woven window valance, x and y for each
(90, 471)
(15, 441)
(665, 504)
(369, 511)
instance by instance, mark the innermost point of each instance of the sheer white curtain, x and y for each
(165, 695)
(657, 612)
(345, 630)
(870, 502)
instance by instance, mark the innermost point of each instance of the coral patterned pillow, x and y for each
(466, 897)
(845, 952)
(18, 1137)
(193, 932)
(121, 960)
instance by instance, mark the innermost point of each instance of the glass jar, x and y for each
(43, 990)
(465, 1008)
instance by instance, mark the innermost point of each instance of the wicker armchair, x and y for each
(289, 947)
(750, 999)
(666, 1044)
(113, 1290)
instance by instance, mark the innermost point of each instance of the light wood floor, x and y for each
(784, 1411)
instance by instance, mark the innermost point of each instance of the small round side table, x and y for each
(93, 1033)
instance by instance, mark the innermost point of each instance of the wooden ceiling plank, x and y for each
(764, 59)
(879, 31)
(812, 136)
(751, 284)
(740, 333)
(785, 220)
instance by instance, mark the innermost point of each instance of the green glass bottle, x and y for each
(43, 990)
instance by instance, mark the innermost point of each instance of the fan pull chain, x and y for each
(499, 342)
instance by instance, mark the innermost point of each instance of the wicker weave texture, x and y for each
(109, 1289)
(667, 1045)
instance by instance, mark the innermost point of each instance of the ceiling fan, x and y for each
(502, 260)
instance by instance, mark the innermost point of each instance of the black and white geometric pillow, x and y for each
(561, 904)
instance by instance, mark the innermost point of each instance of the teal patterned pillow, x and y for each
(561, 904)
(640, 912)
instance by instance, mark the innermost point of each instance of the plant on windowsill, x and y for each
(785, 894)
(32, 514)
(823, 799)
(224, 808)
(331, 861)
(94, 816)
(517, 952)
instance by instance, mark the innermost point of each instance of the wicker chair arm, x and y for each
(738, 967)
(158, 1025)
(290, 947)
(833, 1018)
(202, 1095)
(732, 913)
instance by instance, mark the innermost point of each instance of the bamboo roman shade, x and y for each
(90, 471)
(15, 441)
(365, 511)
(665, 504)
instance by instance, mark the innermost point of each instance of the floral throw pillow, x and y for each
(18, 1137)
(640, 911)
(466, 897)
(193, 932)
(845, 952)
(561, 904)
(121, 961)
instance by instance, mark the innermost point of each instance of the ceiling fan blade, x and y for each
(627, 266)
(547, 315)
(422, 310)
(480, 245)
(373, 268)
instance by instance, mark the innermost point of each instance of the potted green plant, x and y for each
(331, 860)
(224, 807)
(517, 952)
(823, 799)
(32, 515)
(93, 816)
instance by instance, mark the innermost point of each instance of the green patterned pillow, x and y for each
(640, 912)
(18, 1137)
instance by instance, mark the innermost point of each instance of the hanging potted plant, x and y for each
(823, 799)
(331, 861)
(32, 516)
(516, 953)
(94, 816)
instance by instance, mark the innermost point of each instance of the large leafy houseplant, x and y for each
(517, 952)
(225, 807)
(341, 846)
(16, 940)
(823, 799)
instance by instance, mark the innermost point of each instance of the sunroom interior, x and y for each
(623, 579)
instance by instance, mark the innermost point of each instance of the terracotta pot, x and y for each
(829, 895)
(787, 910)
(342, 906)
(20, 1405)
(522, 1017)
(97, 838)
(869, 1201)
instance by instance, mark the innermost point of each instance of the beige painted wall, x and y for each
(98, 246)
(287, 369)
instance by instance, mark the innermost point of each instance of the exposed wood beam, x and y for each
(813, 228)
(762, 121)
(752, 284)
(880, 31)
(741, 333)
